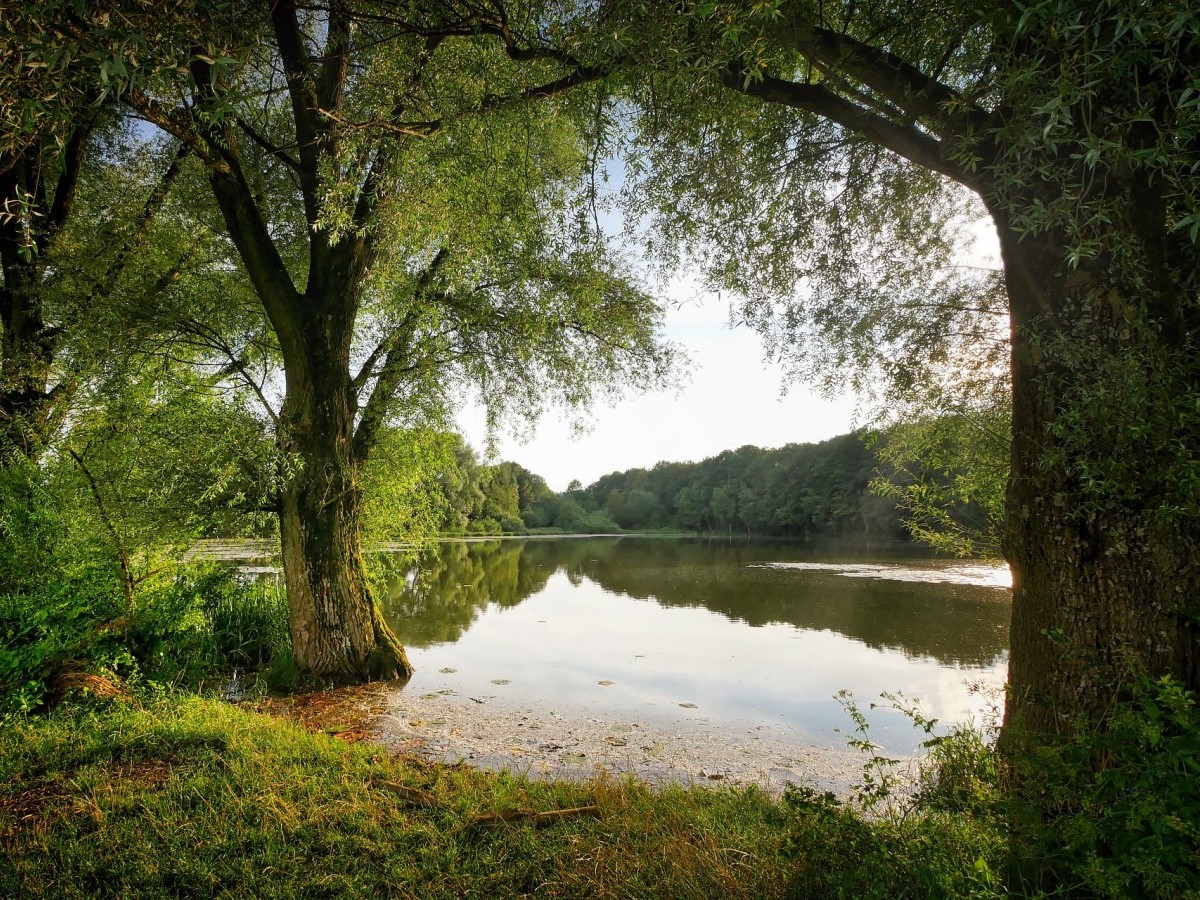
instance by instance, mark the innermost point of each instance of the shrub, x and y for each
(1114, 812)
(181, 629)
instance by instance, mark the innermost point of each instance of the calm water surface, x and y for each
(703, 632)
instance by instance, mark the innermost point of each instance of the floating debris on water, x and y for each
(980, 574)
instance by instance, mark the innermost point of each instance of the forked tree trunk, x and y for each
(337, 630)
(1106, 584)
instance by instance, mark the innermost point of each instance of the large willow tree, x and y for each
(811, 153)
(396, 183)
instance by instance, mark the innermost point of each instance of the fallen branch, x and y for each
(537, 819)
(410, 795)
(63, 683)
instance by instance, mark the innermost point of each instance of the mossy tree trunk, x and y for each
(324, 434)
(324, 439)
(1106, 566)
(336, 628)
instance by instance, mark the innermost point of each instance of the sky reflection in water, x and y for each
(702, 633)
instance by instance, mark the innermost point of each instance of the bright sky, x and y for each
(730, 397)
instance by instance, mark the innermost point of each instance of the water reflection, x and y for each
(440, 596)
(437, 598)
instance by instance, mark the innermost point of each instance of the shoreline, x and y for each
(533, 739)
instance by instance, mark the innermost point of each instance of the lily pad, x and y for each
(447, 671)
(605, 682)
(613, 741)
(688, 705)
(501, 681)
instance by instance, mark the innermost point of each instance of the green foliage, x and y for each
(475, 498)
(163, 458)
(53, 598)
(949, 474)
(1115, 811)
(943, 839)
(839, 852)
(55, 631)
(1112, 812)
(402, 484)
(183, 630)
(800, 490)
(244, 624)
(92, 543)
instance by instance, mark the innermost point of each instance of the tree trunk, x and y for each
(25, 403)
(336, 628)
(1106, 573)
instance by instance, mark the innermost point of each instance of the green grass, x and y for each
(196, 798)
(183, 796)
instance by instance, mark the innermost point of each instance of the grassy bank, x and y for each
(190, 797)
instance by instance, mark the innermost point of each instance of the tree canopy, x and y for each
(404, 188)
(811, 157)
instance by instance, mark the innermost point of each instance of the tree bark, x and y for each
(1104, 582)
(26, 403)
(336, 628)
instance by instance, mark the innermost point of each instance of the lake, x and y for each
(725, 636)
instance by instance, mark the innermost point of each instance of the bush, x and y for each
(182, 629)
(840, 851)
(65, 627)
(1115, 812)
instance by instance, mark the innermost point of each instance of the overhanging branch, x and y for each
(907, 141)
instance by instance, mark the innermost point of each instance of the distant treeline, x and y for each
(799, 491)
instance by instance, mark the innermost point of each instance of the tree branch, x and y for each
(332, 77)
(301, 90)
(127, 581)
(104, 286)
(889, 75)
(174, 121)
(64, 191)
(388, 381)
(247, 225)
(906, 141)
(277, 152)
(212, 339)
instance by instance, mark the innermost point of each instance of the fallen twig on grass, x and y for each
(410, 795)
(537, 819)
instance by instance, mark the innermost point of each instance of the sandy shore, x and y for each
(539, 741)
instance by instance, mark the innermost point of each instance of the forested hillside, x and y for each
(799, 490)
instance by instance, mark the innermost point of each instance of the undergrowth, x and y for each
(1112, 812)
(202, 622)
(176, 795)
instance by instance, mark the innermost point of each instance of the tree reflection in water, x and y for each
(436, 598)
